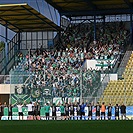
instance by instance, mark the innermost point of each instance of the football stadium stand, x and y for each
(120, 91)
(56, 73)
(85, 63)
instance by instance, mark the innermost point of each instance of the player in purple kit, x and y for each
(82, 110)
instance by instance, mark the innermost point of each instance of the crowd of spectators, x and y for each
(110, 39)
(60, 71)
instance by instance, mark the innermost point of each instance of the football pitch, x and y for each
(66, 126)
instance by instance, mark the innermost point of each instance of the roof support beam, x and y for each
(27, 19)
(97, 12)
(16, 15)
(9, 23)
(24, 16)
(39, 17)
(32, 28)
(37, 23)
(78, 19)
(10, 10)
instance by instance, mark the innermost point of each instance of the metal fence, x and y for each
(98, 87)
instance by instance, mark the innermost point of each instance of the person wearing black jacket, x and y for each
(117, 111)
(71, 107)
(123, 111)
(98, 106)
(90, 111)
(66, 111)
(54, 112)
(109, 108)
(78, 110)
(10, 111)
(36, 111)
(1, 111)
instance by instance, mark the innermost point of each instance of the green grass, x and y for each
(66, 126)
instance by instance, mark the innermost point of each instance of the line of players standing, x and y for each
(68, 111)
(33, 110)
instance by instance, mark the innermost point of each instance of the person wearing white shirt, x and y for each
(20, 113)
(30, 109)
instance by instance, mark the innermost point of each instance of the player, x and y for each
(90, 111)
(54, 112)
(103, 109)
(30, 110)
(117, 112)
(109, 111)
(97, 111)
(123, 111)
(35, 111)
(20, 113)
(82, 110)
(10, 111)
(66, 111)
(71, 107)
(38, 110)
(1, 111)
(62, 110)
(47, 109)
(78, 110)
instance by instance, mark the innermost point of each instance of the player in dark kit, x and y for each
(123, 111)
(97, 111)
(78, 110)
(47, 109)
(109, 111)
(38, 110)
(116, 112)
(66, 111)
(54, 112)
(90, 111)
(82, 109)
(1, 111)
(71, 111)
(35, 111)
(10, 111)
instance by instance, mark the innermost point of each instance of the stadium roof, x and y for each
(91, 7)
(22, 17)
